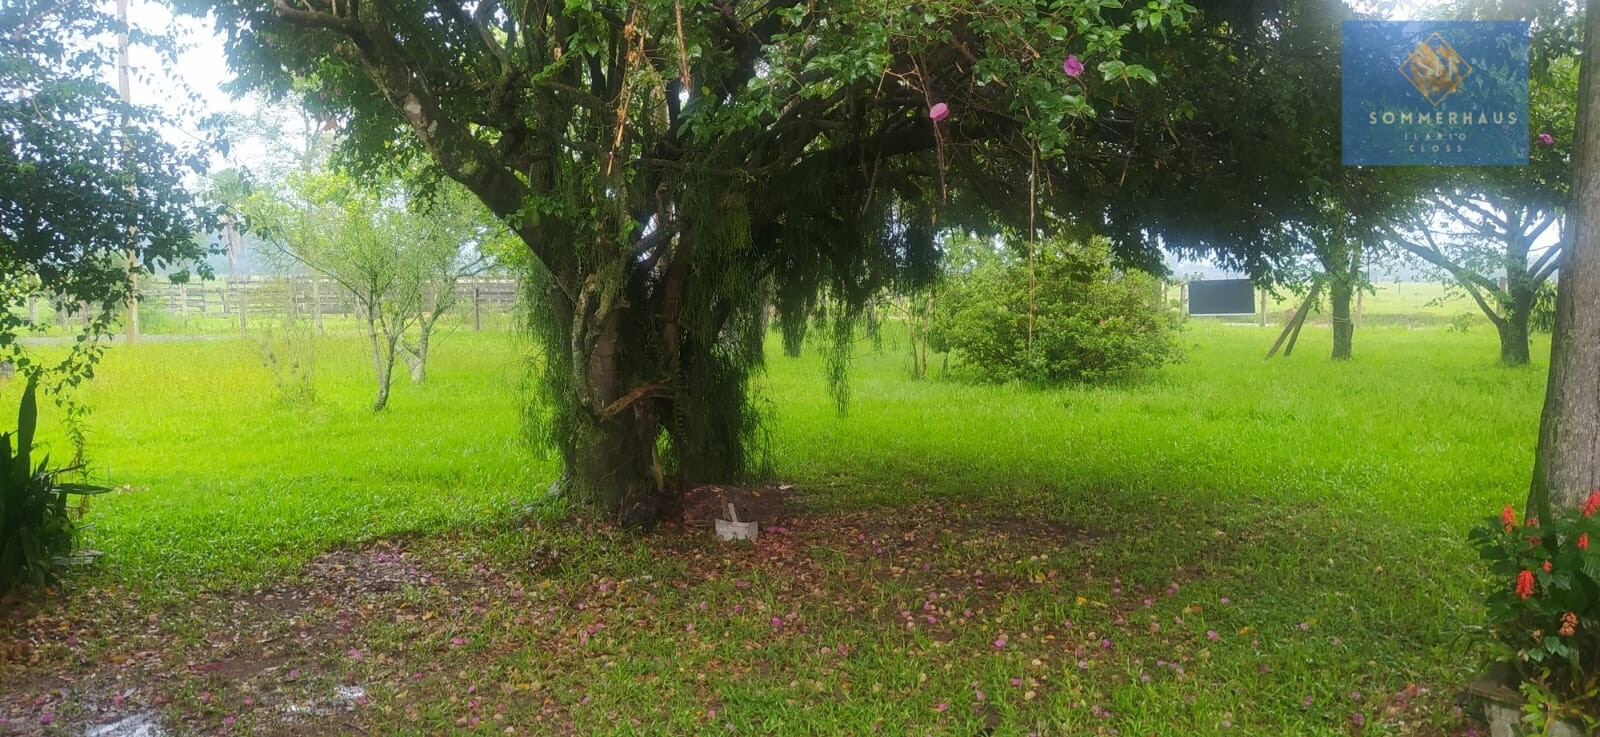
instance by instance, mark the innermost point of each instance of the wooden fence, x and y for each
(246, 298)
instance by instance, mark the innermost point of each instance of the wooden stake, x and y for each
(1291, 331)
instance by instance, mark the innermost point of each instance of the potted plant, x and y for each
(1543, 608)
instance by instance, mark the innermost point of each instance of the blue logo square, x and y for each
(1434, 93)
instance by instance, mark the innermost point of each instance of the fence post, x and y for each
(183, 301)
(83, 309)
(61, 311)
(242, 303)
(1263, 292)
(477, 309)
(33, 308)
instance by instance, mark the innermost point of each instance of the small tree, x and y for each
(398, 262)
(1087, 321)
(456, 238)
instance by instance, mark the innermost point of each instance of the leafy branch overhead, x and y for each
(84, 177)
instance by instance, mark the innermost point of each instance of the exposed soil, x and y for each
(703, 505)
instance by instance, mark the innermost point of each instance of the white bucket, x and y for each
(737, 530)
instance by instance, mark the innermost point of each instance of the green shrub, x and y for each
(35, 524)
(1091, 322)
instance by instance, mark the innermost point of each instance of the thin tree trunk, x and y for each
(316, 304)
(382, 365)
(417, 355)
(1567, 466)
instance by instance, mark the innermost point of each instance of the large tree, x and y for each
(1567, 466)
(671, 163)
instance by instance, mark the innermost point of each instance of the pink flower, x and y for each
(1000, 643)
(942, 707)
(355, 654)
(939, 112)
(1545, 139)
(227, 721)
(1212, 635)
(1071, 66)
(46, 718)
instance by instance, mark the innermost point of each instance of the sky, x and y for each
(201, 69)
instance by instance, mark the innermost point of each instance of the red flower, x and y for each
(1508, 517)
(1547, 566)
(1583, 541)
(1525, 584)
(1592, 505)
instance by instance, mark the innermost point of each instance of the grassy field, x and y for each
(1231, 546)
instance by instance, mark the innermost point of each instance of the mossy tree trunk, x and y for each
(1340, 259)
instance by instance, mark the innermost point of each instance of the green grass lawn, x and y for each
(1231, 546)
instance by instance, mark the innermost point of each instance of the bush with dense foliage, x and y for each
(1077, 318)
(1543, 606)
(36, 526)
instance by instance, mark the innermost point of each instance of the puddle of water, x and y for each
(146, 724)
(345, 698)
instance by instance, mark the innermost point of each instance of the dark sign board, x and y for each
(1222, 297)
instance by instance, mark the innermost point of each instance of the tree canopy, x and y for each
(85, 178)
